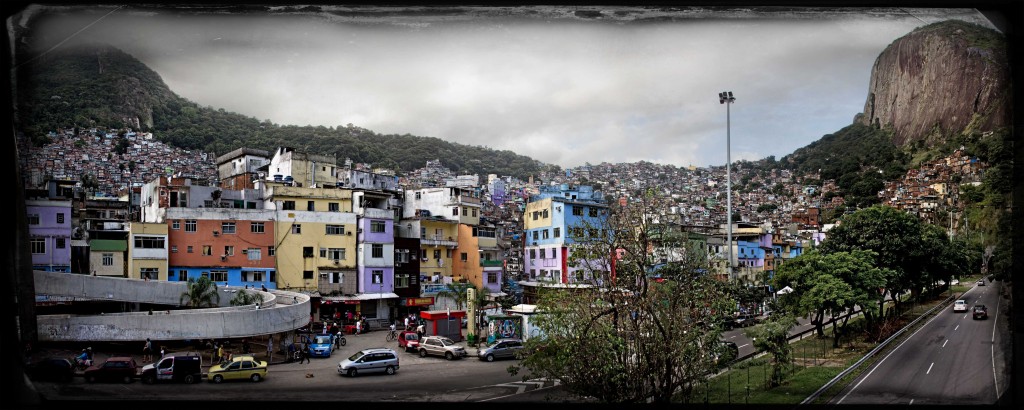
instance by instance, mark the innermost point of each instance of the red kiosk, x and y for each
(443, 323)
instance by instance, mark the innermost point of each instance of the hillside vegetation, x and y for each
(99, 85)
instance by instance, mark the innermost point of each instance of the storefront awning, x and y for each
(361, 296)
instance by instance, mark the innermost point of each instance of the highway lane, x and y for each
(950, 360)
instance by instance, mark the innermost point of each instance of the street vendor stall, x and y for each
(446, 323)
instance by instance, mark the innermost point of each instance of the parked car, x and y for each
(378, 360)
(980, 312)
(319, 345)
(183, 367)
(726, 353)
(239, 368)
(954, 282)
(981, 282)
(960, 306)
(744, 320)
(52, 369)
(441, 346)
(117, 368)
(409, 340)
(501, 349)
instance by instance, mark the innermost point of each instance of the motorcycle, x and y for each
(81, 364)
(341, 339)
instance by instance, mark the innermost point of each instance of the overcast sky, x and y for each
(635, 85)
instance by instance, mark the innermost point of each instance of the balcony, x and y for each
(328, 288)
(491, 263)
(438, 240)
(377, 213)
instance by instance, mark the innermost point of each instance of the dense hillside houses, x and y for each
(365, 241)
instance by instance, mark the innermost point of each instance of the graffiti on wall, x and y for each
(505, 326)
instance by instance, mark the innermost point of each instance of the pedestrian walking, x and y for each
(163, 351)
(359, 327)
(147, 351)
(420, 331)
(406, 326)
(303, 353)
(270, 348)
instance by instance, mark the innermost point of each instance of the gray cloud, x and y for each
(561, 90)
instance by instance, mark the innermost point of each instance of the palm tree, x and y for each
(456, 292)
(245, 297)
(201, 292)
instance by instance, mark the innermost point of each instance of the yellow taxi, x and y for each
(239, 368)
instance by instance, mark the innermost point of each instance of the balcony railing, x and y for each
(490, 263)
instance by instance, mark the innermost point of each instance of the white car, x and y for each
(960, 306)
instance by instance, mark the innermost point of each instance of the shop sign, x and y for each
(418, 301)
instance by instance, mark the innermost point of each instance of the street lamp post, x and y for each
(725, 97)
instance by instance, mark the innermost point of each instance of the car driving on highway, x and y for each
(960, 306)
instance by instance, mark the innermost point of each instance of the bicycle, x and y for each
(392, 335)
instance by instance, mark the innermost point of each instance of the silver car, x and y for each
(380, 360)
(441, 346)
(501, 349)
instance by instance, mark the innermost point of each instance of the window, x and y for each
(402, 280)
(254, 254)
(544, 234)
(464, 256)
(309, 206)
(183, 275)
(378, 277)
(465, 211)
(437, 254)
(288, 205)
(33, 219)
(307, 274)
(335, 253)
(60, 243)
(252, 276)
(335, 230)
(60, 217)
(578, 211)
(149, 273)
(417, 195)
(533, 254)
(271, 251)
(377, 250)
(536, 215)
(307, 251)
(333, 207)
(542, 253)
(377, 226)
(207, 250)
(149, 242)
(558, 232)
(190, 225)
(492, 277)
(536, 235)
(533, 273)
(176, 224)
(297, 229)
(256, 227)
(545, 213)
(474, 212)
(190, 249)
(219, 275)
(38, 245)
(227, 227)
(174, 248)
(401, 257)
(229, 250)
(455, 211)
(108, 259)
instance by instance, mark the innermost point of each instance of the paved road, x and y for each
(951, 360)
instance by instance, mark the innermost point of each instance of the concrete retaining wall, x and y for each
(222, 322)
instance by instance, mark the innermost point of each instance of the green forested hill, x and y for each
(99, 85)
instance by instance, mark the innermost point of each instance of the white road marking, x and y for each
(930, 368)
(944, 343)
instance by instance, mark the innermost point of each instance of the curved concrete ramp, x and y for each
(281, 311)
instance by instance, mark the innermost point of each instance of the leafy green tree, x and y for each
(773, 337)
(894, 236)
(456, 292)
(830, 285)
(628, 338)
(200, 293)
(246, 297)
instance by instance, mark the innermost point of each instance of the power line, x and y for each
(68, 38)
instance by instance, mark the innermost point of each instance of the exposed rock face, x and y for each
(941, 79)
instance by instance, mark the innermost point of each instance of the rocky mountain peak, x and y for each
(941, 79)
